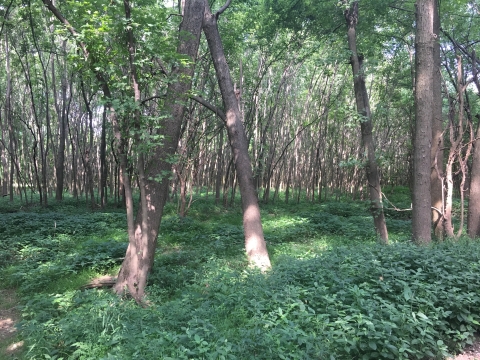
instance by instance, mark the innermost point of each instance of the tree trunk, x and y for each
(8, 118)
(103, 165)
(61, 115)
(458, 152)
(74, 163)
(473, 222)
(437, 138)
(255, 245)
(219, 168)
(424, 62)
(474, 201)
(363, 109)
(141, 249)
(88, 152)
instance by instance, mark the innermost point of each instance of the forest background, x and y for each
(108, 103)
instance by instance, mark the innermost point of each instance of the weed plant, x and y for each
(333, 292)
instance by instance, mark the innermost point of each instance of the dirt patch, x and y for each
(471, 352)
(9, 316)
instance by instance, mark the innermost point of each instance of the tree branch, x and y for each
(152, 98)
(209, 106)
(223, 8)
(462, 48)
(65, 22)
(5, 17)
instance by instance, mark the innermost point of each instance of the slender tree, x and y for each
(61, 109)
(363, 108)
(255, 245)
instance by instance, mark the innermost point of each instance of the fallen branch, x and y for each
(100, 282)
(394, 207)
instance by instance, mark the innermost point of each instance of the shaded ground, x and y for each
(9, 316)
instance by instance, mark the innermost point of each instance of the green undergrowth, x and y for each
(333, 292)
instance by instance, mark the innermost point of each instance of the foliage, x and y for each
(333, 293)
(41, 246)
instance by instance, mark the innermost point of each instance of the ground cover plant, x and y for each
(333, 292)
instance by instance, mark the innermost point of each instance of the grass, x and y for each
(333, 292)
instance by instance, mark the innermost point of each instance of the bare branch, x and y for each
(209, 106)
(223, 8)
(152, 98)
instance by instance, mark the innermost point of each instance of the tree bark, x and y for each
(138, 261)
(437, 133)
(363, 109)
(458, 152)
(61, 116)
(255, 245)
(424, 62)
(219, 168)
(8, 120)
(103, 165)
(473, 220)
(88, 152)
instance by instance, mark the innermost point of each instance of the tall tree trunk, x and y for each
(424, 62)
(219, 168)
(88, 152)
(28, 78)
(363, 108)
(8, 116)
(141, 249)
(103, 165)
(61, 116)
(437, 130)
(255, 245)
(43, 141)
(458, 152)
(473, 222)
(4, 160)
(74, 163)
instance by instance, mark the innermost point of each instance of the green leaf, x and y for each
(407, 293)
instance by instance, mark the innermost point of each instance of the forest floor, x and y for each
(330, 276)
(471, 352)
(9, 316)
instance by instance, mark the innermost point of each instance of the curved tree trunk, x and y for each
(363, 109)
(255, 245)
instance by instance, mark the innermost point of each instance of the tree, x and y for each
(154, 184)
(424, 63)
(152, 176)
(255, 245)
(363, 108)
(437, 132)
